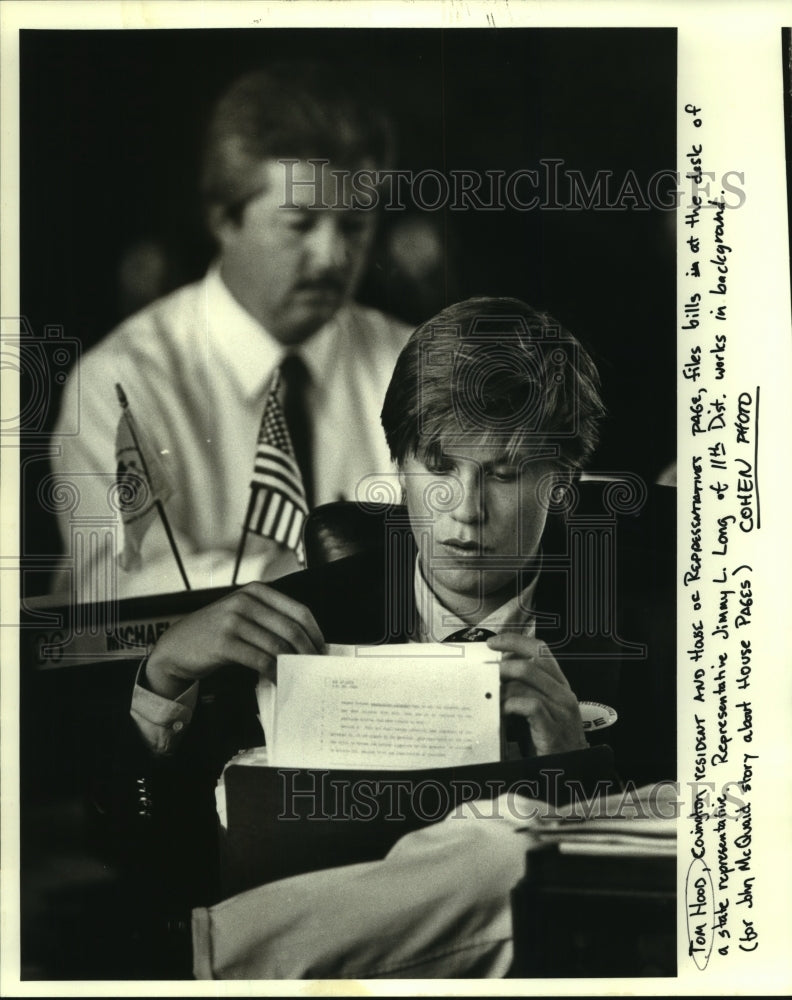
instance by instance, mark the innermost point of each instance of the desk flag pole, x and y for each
(143, 487)
(277, 507)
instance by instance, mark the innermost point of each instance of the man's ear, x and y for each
(563, 480)
(220, 224)
(566, 477)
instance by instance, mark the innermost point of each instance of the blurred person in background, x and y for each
(274, 313)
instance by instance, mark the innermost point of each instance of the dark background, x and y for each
(110, 132)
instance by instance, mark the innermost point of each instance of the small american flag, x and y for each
(278, 508)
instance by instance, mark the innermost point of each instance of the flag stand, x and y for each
(243, 537)
(166, 525)
(157, 503)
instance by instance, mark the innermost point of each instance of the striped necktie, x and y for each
(471, 633)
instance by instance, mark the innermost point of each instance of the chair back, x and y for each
(344, 528)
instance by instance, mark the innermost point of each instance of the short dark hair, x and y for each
(292, 109)
(497, 370)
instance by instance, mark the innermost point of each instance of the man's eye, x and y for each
(506, 475)
(301, 223)
(439, 466)
(355, 226)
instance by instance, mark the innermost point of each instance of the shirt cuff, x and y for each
(162, 722)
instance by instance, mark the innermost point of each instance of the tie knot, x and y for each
(471, 633)
(294, 372)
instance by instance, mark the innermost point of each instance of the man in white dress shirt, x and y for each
(196, 366)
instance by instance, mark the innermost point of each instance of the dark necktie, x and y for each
(296, 382)
(470, 633)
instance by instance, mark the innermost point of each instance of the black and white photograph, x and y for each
(386, 579)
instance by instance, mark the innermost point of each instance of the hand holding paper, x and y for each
(251, 627)
(534, 686)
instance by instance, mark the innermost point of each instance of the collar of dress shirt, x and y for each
(246, 349)
(436, 622)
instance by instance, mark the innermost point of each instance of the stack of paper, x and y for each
(639, 822)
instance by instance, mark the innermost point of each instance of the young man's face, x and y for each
(293, 267)
(477, 519)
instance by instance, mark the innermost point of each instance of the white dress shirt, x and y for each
(196, 368)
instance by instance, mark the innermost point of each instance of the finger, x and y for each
(520, 647)
(253, 657)
(298, 613)
(556, 702)
(521, 702)
(528, 673)
(551, 730)
(267, 640)
(515, 642)
(282, 615)
(518, 698)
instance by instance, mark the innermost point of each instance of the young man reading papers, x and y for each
(491, 414)
(489, 411)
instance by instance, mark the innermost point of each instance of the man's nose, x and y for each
(471, 508)
(328, 247)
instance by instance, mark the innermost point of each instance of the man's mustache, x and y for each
(327, 283)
